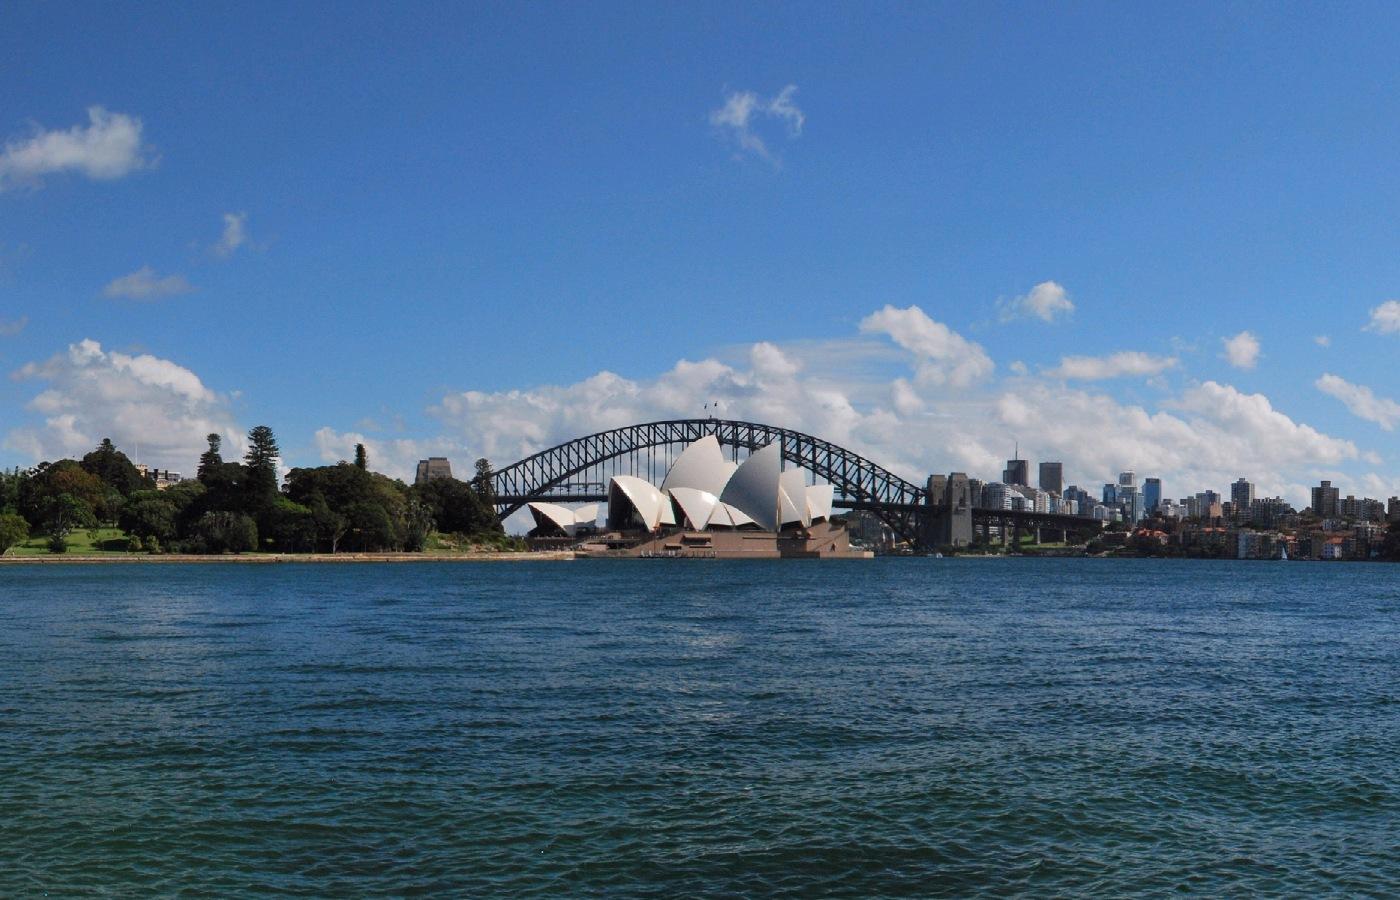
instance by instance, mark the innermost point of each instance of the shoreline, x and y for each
(279, 558)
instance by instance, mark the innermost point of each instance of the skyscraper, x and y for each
(1326, 500)
(1052, 477)
(1241, 494)
(1018, 471)
(1151, 495)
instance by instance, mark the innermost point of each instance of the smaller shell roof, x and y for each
(651, 505)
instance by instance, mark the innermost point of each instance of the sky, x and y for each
(1147, 237)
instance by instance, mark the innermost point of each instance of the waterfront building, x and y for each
(1326, 501)
(708, 506)
(432, 468)
(1052, 477)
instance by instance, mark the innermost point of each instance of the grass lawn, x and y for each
(97, 542)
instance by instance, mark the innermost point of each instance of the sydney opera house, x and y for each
(707, 506)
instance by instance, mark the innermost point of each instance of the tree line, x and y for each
(239, 506)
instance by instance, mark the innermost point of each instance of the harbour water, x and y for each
(893, 727)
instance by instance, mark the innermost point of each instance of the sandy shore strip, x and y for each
(61, 559)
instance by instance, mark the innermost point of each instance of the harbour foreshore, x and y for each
(271, 558)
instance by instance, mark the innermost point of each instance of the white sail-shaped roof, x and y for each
(728, 516)
(793, 503)
(697, 505)
(819, 499)
(566, 520)
(651, 505)
(754, 487)
(701, 467)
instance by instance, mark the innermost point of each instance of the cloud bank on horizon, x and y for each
(905, 389)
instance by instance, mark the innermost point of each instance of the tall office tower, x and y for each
(1017, 471)
(1242, 494)
(1151, 495)
(1326, 500)
(1052, 477)
(1127, 479)
(1110, 494)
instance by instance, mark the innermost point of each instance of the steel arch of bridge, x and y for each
(858, 483)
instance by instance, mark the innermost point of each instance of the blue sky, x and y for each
(479, 229)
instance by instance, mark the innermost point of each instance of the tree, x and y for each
(292, 526)
(481, 482)
(455, 507)
(261, 462)
(114, 469)
(1390, 547)
(210, 460)
(48, 481)
(63, 513)
(361, 458)
(227, 532)
(13, 531)
(418, 522)
(149, 514)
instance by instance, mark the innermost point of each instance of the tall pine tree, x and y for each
(210, 460)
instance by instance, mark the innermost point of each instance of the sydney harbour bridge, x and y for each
(941, 512)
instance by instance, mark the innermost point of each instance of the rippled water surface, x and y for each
(682, 728)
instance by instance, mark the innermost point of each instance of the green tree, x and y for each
(210, 460)
(361, 458)
(66, 477)
(455, 507)
(418, 524)
(221, 531)
(261, 464)
(114, 469)
(292, 526)
(148, 514)
(13, 531)
(63, 513)
(481, 482)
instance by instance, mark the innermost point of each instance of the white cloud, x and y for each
(145, 284)
(137, 400)
(1242, 350)
(1385, 319)
(235, 234)
(944, 356)
(12, 327)
(1203, 437)
(108, 147)
(1117, 365)
(397, 458)
(739, 117)
(1361, 400)
(1046, 301)
(1322, 340)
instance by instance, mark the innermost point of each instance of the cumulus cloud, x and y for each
(1361, 401)
(12, 327)
(740, 119)
(1128, 363)
(108, 147)
(90, 393)
(1046, 301)
(145, 284)
(235, 234)
(1242, 350)
(1385, 319)
(1323, 340)
(944, 356)
(395, 457)
(911, 422)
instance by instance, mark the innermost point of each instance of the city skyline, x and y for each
(920, 252)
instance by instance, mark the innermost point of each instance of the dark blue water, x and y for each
(670, 728)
